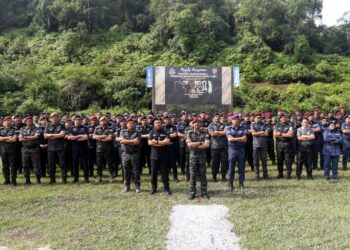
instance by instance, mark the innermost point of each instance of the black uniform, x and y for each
(172, 150)
(91, 150)
(79, 152)
(182, 128)
(159, 159)
(8, 155)
(104, 151)
(145, 149)
(43, 152)
(56, 152)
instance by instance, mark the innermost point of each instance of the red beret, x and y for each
(195, 121)
(93, 117)
(7, 118)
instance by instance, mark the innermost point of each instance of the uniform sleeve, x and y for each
(95, 131)
(121, 136)
(150, 135)
(207, 138)
(110, 132)
(299, 132)
(210, 129)
(138, 135)
(188, 137)
(228, 132)
(15, 135)
(20, 135)
(342, 127)
(274, 129)
(252, 127)
(37, 132)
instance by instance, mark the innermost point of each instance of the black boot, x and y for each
(241, 186)
(231, 186)
(38, 180)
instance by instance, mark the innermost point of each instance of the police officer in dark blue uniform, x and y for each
(333, 140)
(236, 136)
(79, 136)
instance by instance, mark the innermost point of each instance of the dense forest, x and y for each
(71, 55)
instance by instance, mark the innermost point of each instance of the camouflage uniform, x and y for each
(104, 151)
(284, 149)
(218, 151)
(198, 161)
(30, 153)
(260, 148)
(130, 157)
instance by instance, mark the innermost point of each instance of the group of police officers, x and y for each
(162, 142)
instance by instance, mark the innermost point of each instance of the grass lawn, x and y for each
(273, 214)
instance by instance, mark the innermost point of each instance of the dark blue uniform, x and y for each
(236, 153)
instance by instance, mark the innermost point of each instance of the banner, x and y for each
(193, 85)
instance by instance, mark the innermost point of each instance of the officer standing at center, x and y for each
(103, 135)
(130, 141)
(158, 139)
(217, 131)
(283, 133)
(79, 136)
(237, 138)
(306, 136)
(55, 133)
(260, 134)
(198, 141)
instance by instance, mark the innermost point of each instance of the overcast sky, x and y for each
(333, 10)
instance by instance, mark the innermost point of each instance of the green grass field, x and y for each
(272, 214)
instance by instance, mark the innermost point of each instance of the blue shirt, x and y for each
(236, 132)
(333, 140)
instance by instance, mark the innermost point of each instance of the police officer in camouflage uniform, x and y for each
(130, 141)
(198, 141)
(217, 133)
(29, 136)
(8, 139)
(283, 133)
(306, 136)
(103, 135)
(260, 134)
(55, 133)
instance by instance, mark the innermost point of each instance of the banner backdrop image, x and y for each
(193, 85)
